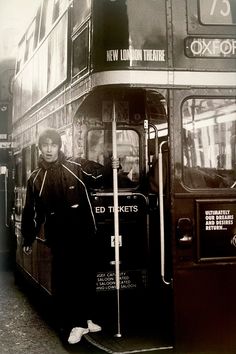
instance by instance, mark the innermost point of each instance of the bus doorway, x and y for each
(144, 308)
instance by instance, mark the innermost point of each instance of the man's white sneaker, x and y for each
(76, 334)
(93, 327)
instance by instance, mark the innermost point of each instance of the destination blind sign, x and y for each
(210, 47)
(218, 12)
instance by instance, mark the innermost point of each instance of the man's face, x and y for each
(49, 150)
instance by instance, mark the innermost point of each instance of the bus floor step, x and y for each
(126, 344)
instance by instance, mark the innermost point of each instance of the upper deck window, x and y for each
(80, 50)
(59, 8)
(209, 142)
(30, 41)
(100, 150)
(51, 10)
(47, 15)
(81, 11)
(20, 55)
(217, 12)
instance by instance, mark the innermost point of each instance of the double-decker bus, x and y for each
(153, 83)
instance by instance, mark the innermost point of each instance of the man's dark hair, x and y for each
(50, 134)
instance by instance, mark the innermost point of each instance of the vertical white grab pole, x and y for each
(116, 218)
(161, 213)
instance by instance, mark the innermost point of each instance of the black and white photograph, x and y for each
(117, 176)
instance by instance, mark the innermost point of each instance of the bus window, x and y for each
(158, 129)
(34, 157)
(59, 7)
(52, 9)
(80, 52)
(20, 55)
(81, 11)
(47, 17)
(57, 55)
(18, 171)
(26, 98)
(209, 131)
(100, 150)
(29, 46)
(26, 165)
(66, 138)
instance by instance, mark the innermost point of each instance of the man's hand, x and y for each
(115, 163)
(27, 250)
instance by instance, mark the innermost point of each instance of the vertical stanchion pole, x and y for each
(161, 213)
(116, 218)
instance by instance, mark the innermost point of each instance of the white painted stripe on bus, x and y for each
(199, 78)
(173, 78)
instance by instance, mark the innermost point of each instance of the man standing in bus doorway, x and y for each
(57, 198)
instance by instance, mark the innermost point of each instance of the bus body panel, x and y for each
(203, 229)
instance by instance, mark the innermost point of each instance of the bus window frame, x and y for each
(81, 73)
